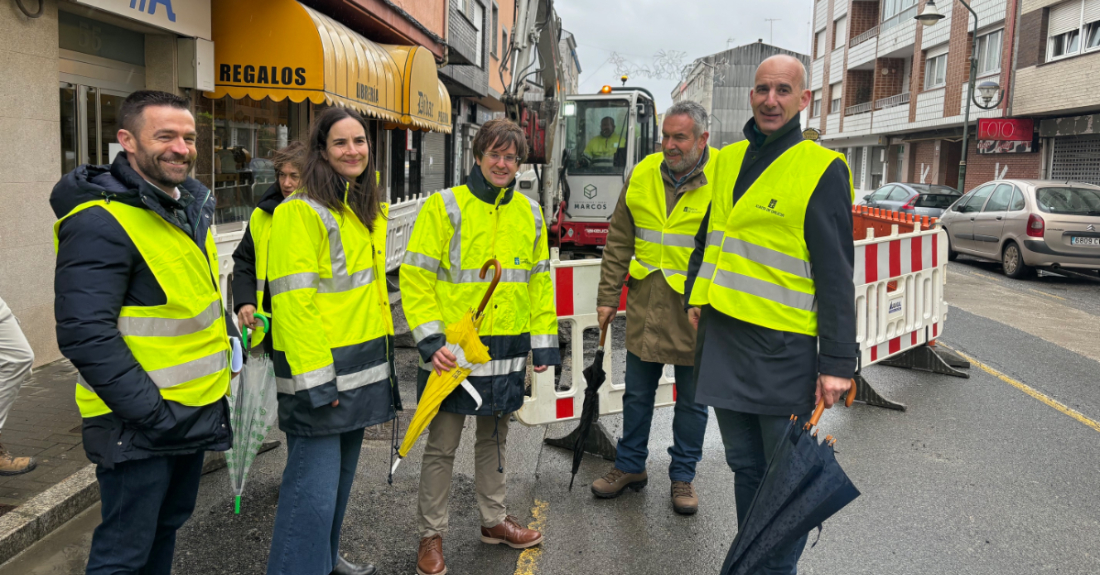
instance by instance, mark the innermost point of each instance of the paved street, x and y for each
(978, 476)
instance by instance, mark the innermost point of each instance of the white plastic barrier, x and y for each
(899, 305)
(400, 225)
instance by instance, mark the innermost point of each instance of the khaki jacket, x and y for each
(657, 327)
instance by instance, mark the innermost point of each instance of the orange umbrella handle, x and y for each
(821, 405)
(603, 334)
(492, 284)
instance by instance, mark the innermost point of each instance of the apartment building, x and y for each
(891, 93)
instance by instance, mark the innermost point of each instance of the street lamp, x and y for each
(988, 89)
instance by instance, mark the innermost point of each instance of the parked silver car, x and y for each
(919, 199)
(1027, 224)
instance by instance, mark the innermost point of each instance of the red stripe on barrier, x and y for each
(914, 340)
(870, 262)
(565, 407)
(895, 345)
(874, 353)
(565, 292)
(918, 253)
(673, 392)
(895, 259)
(935, 252)
(935, 330)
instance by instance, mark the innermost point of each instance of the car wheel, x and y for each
(952, 255)
(1013, 262)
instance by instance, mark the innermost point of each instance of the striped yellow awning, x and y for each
(425, 102)
(281, 49)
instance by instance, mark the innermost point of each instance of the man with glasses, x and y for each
(457, 231)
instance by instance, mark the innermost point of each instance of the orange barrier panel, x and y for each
(882, 222)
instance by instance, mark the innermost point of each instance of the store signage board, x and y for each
(184, 17)
(1006, 129)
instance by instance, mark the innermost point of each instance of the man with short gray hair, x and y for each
(651, 237)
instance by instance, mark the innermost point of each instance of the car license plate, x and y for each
(1080, 241)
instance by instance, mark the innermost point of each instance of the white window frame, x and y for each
(820, 43)
(1088, 22)
(935, 55)
(815, 111)
(1067, 54)
(836, 95)
(1089, 29)
(983, 48)
(839, 40)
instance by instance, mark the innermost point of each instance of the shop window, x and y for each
(935, 72)
(989, 53)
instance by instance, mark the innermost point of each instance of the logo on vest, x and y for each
(771, 205)
(590, 191)
(523, 261)
(691, 210)
(771, 209)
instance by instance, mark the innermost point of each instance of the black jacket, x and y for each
(753, 369)
(244, 258)
(98, 271)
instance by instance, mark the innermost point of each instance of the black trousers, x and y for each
(144, 503)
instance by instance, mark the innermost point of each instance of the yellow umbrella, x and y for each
(464, 343)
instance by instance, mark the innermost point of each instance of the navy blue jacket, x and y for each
(99, 270)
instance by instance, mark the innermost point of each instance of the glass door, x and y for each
(89, 125)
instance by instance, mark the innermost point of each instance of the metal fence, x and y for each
(865, 36)
(857, 109)
(890, 102)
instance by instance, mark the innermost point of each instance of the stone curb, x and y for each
(42, 514)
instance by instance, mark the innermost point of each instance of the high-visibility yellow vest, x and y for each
(330, 315)
(756, 266)
(664, 241)
(181, 344)
(259, 226)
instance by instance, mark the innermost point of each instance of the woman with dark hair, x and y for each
(333, 340)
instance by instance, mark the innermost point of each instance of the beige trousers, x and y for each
(437, 466)
(16, 359)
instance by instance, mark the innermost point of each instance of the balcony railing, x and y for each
(857, 109)
(900, 18)
(892, 101)
(865, 36)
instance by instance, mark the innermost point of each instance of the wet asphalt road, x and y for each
(976, 477)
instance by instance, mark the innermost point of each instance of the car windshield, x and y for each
(1075, 201)
(942, 201)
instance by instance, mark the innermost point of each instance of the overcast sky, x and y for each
(637, 29)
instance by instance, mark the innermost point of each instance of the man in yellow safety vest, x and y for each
(651, 236)
(770, 283)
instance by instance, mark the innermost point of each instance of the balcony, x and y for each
(872, 33)
(863, 48)
(897, 41)
(858, 124)
(891, 119)
(892, 101)
(858, 109)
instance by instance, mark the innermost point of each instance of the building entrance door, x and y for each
(89, 124)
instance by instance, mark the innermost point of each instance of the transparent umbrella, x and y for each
(252, 411)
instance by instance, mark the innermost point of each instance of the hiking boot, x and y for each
(11, 465)
(512, 534)
(612, 485)
(429, 557)
(684, 499)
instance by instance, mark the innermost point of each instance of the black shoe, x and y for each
(345, 568)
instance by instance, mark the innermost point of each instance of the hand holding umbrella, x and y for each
(594, 377)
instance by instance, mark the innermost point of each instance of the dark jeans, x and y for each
(144, 502)
(312, 500)
(750, 440)
(689, 420)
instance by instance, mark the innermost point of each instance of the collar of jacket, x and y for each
(787, 136)
(271, 199)
(486, 192)
(697, 171)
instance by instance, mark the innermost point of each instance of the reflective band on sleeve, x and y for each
(766, 290)
(164, 327)
(454, 252)
(768, 257)
(376, 374)
(425, 329)
(304, 280)
(541, 266)
(260, 285)
(184, 372)
(427, 263)
(544, 341)
(499, 367)
(345, 283)
(538, 221)
(507, 275)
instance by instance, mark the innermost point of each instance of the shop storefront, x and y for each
(1072, 148)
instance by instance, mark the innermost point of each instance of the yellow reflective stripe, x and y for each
(424, 330)
(167, 327)
(766, 290)
(417, 260)
(544, 341)
(304, 280)
(768, 257)
(376, 374)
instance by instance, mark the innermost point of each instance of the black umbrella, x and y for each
(804, 486)
(594, 375)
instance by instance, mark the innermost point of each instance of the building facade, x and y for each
(891, 93)
(721, 83)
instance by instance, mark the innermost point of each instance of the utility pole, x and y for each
(771, 29)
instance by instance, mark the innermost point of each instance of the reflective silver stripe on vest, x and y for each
(651, 236)
(304, 280)
(376, 374)
(474, 276)
(714, 238)
(665, 238)
(498, 367)
(260, 285)
(544, 341)
(166, 377)
(339, 284)
(768, 257)
(454, 252)
(307, 380)
(707, 270)
(766, 290)
(425, 329)
(164, 327)
(416, 260)
(538, 221)
(645, 265)
(541, 266)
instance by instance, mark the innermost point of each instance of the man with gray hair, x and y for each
(651, 238)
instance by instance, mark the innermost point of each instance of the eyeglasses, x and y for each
(494, 158)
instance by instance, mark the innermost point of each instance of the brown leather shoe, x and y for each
(512, 534)
(612, 485)
(684, 499)
(429, 557)
(11, 465)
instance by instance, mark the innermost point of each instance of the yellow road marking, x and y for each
(528, 562)
(1046, 294)
(1031, 391)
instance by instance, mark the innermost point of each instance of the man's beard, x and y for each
(683, 162)
(151, 167)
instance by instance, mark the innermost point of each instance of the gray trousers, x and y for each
(437, 466)
(16, 359)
